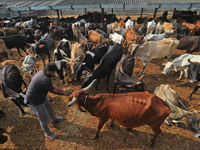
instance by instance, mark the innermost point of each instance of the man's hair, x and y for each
(50, 66)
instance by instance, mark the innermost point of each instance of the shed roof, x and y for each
(68, 4)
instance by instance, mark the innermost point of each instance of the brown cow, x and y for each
(121, 24)
(4, 52)
(133, 37)
(167, 27)
(191, 27)
(129, 110)
(95, 37)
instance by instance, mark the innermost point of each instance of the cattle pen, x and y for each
(78, 129)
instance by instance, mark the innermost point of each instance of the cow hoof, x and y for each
(96, 137)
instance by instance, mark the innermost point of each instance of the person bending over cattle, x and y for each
(36, 97)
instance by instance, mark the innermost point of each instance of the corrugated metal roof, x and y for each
(23, 4)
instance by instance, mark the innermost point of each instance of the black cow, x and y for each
(91, 58)
(44, 46)
(107, 64)
(17, 41)
(194, 75)
(11, 84)
(61, 55)
(193, 71)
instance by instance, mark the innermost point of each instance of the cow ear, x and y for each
(42, 45)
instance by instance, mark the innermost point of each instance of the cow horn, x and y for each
(73, 101)
(89, 86)
(139, 80)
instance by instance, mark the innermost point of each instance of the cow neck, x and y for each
(85, 101)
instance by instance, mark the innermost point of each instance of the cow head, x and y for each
(192, 122)
(75, 96)
(168, 67)
(193, 71)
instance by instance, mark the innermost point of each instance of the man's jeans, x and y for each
(43, 111)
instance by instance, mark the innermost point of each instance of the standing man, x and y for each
(36, 97)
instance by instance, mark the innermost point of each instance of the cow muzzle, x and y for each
(36, 55)
(197, 135)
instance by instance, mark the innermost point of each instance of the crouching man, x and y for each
(36, 98)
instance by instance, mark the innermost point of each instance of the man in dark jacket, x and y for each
(36, 98)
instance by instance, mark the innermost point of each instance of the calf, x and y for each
(151, 27)
(107, 64)
(63, 54)
(178, 116)
(129, 110)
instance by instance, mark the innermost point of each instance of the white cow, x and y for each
(156, 37)
(29, 23)
(129, 24)
(178, 115)
(29, 65)
(151, 27)
(117, 38)
(155, 49)
(181, 64)
(158, 28)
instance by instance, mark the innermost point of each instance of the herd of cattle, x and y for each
(86, 50)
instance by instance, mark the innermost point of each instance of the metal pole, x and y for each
(112, 11)
(102, 18)
(61, 13)
(58, 14)
(141, 12)
(85, 10)
(20, 15)
(155, 11)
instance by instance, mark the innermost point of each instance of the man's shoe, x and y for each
(57, 119)
(51, 136)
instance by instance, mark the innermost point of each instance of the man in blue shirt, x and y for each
(36, 98)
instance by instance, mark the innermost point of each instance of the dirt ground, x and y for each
(78, 129)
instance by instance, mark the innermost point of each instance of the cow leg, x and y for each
(16, 103)
(181, 73)
(143, 69)
(114, 88)
(19, 51)
(43, 61)
(96, 88)
(157, 131)
(194, 91)
(107, 81)
(49, 57)
(101, 123)
(24, 50)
